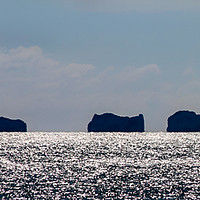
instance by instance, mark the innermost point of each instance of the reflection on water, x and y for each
(99, 165)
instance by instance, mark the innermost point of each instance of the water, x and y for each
(99, 165)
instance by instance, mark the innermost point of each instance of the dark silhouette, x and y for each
(184, 121)
(10, 125)
(109, 122)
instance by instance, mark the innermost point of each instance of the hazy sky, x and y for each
(61, 61)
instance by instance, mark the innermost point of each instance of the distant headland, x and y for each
(11, 125)
(109, 122)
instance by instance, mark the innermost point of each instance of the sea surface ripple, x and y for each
(68, 165)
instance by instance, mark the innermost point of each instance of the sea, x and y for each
(82, 165)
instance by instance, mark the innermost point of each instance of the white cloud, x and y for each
(188, 71)
(22, 57)
(32, 63)
(138, 72)
(75, 70)
(133, 74)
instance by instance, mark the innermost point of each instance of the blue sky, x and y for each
(61, 61)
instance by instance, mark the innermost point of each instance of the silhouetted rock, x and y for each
(109, 122)
(10, 125)
(184, 121)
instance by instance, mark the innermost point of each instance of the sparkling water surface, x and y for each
(61, 165)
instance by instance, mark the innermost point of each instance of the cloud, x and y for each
(125, 74)
(53, 96)
(132, 73)
(135, 5)
(75, 70)
(25, 57)
(31, 64)
(188, 71)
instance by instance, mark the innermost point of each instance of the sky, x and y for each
(62, 61)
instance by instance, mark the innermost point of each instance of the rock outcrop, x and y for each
(184, 121)
(109, 122)
(10, 125)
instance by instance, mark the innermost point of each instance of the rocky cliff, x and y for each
(109, 122)
(9, 125)
(184, 121)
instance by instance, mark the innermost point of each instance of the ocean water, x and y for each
(61, 165)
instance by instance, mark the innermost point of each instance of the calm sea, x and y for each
(65, 165)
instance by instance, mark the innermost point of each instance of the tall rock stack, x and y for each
(184, 121)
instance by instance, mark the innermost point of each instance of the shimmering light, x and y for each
(99, 165)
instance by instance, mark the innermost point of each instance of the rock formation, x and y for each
(109, 122)
(9, 125)
(184, 121)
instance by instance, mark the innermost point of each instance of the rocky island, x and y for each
(184, 121)
(109, 122)
(11, 125)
